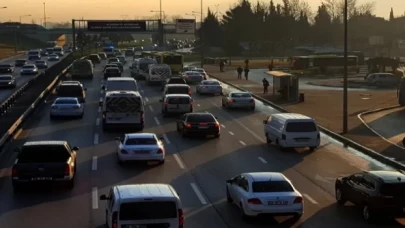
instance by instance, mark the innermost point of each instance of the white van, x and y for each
(139, 69)
(176, 89)
(140, 205)
(158, 73)
(291, 130)
(176, 103)
(82, 68)
(120, 84)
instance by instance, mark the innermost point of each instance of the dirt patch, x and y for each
(326, 108)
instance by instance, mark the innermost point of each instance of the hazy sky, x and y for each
(65, 10)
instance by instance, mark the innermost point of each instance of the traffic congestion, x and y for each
(137, 142)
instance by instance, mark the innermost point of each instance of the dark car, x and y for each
(198, 124)
(378, 193)
(129, 52)
(41, 64)
(7, 81)
(6, 69)
(41, 162)
(94, 58)
(72, 89)
(110, 65)
(20, 62)
(112, 72)
(119, 65)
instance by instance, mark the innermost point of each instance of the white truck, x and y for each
(158, 73)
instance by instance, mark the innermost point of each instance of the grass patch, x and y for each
(6, 51)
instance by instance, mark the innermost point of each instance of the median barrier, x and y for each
(345, 141)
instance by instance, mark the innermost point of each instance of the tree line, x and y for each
(274, 27)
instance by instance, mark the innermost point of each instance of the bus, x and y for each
(174, 60)
(323, 64)
(359, 54)
(148, 54)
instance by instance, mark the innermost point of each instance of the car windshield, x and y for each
(141, 141)
(210, 83)
(271, 186)
(197, 118)
(240, 95)
(5, 78)
(70, 91)
(66, 101)
(28, 67)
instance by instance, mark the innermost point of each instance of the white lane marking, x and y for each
(241, 142)
(94, 163)
(223, 126)
(95, 138)
(99, 109)
(157, 121)
(151, 108)
(310, 199)
(97, 121)
(166, 139)
(18, 133)
(262, 160)
(179, 161)
(198, 105)
(146, 99)
(94, 196)
(198, 193)
(231, 133)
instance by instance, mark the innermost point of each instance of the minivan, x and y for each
(143, 205)
(72, 89)
(176, 89)
(291, 130)
(176, 103)
(82, 68)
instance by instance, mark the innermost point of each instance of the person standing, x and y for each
(246, 72)
(240, 71)
(265, 86)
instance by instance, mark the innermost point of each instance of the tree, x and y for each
(322, 25)
(392, 14)
(81, 39)
(210, 26)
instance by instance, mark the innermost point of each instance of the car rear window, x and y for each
(148, 210)
(272, 186)
(43, 154)
(177, 90)
(178, 100)
(70, 90)
(5, 78)
(122, 86)
(63, 101)
(112, 70)
(200, 118)
(393, 189)
(210, 83)
(141, 141)
(240, 95)
(301, 127)
(28, 67)
(177, 81)
(5, 66)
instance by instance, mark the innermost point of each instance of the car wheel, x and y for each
(267, 139)
(367, 213)
(312, 148)
(228, 195)
(297, 216)
(339, 197)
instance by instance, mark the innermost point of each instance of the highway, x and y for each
(197, 168)
(21, 80)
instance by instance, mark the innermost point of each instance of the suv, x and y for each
(176, 103)
(198, 124)
(72, 89)
(379, 193)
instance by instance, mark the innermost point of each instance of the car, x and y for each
(176, 103)
(53, 57)
(41, 64)
(112, 72)
(7, 81)
(189, 68)
(192, 77)
(111, 60)
(94, 58)
(49, 51)
(140, 147)
(201, 71)
(29, 69)
(264, 193)
(6, 69)
(198, 123)
(67, 107)
(109, 65)
(173, 80)
(122, 59)
(129, 52)
(209, 87)
(102, 55)
(43, 52)
(378, 193)
(238, 100)
(119, 65)
(40, 162)
(20, 62)
(72, 89)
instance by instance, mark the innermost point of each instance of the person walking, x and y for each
(265, 86)
(246, 72)
(240, 71)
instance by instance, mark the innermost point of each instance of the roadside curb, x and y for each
(341, 87)
(360, 117)
(346, 142)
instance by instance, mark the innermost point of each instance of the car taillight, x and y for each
(254, 201)
(231, 100)
(67, 170)
(188, 125)
(14, 172)
(160, 151)
(217, 125)
(189, 92)
(298, 200)
(124, 151)
(252, 101)
(283, 137)
(181, 218)
(114, 220)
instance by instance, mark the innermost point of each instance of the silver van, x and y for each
(176, 103)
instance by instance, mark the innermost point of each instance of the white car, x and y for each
(209, 87)
(29, 69)
(238, 100)
(67, 107)
(141, 147)
(260, 193)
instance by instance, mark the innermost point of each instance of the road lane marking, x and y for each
(18, 133)
(179, 161)
(310, 199)
(262, 160)
(97, 121)
(198, 193)
(94, 163)
(94, 196)
(166, 139)
(99, 109)
(241, 142)
(146, 99)
(231, 133)
(151, 108)
(223, 126)
(157, 121)
(95, 138)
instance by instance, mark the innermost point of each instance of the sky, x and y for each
(66, 10)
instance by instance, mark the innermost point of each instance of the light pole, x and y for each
(160, 12)
(44, 15)
(192, 14)
(201, 35)
(43, 21)
(345, 111)
(27, 15)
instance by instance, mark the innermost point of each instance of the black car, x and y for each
(7, 81)
(20, 62)
(94, 58)
(378, 193)
(112, 72)
(72, 89)
(41, 162)
(6, 69)
(198, 124)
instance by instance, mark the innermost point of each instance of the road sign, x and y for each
(185, 26)
(116, 26)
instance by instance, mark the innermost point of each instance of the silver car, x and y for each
(7, 81)
(238, 100)
(209, 87)
(122, 59)
(192, 77)
(67, 107)
(29, 69)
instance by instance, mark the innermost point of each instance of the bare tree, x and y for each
(366, 8)
(336, 8)
(156, 17)
(298, 6)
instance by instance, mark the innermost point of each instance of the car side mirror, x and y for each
(103, 87)
(229, 181)
(265, 121)
(160, 100)
(75, 148)
(103, 197)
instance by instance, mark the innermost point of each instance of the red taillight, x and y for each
(254, 201)
(142, 116)
(217, 125)
(283, 137)
(231, 100)
(160, 151)
(181, 218)
(203, 123)
(298, 200)
(252, 101)
(115, 220)
(67, 170)
(14, 172)
(124, 151)
(188, 125)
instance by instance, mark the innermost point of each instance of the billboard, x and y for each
(185, 26)
(116, 26)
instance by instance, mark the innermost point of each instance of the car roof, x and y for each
(210, 80)
(140, 135)
(48, 142)
(200, 114)
(285, 116)
(117, 92)
(112, 67)
(178, 95)
(266, 176)
(389, 176)
(145, 191)
(121, 79)
(191, 72)
(177, 85)
(117, 63)
(120, 56)
(199, 69)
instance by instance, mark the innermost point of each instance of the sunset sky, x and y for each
(65, 10)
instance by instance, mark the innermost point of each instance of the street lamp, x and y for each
(43, 21)
(345, 102)
(27, 15)
(192, 14)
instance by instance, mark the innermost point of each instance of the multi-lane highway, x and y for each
(197, 168)
(21, 80)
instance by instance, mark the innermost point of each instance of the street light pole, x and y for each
(44, 15)
(201, 38)
(345, 101)
(160, 10)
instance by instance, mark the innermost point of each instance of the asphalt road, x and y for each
(21, 80)
(197, 168)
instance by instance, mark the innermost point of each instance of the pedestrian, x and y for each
(265, 86)
(240, 71)
(222, 65)
(246, 72)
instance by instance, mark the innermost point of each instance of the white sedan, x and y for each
(140, 147)
(67, 107)
(261, 193)
(209, 87)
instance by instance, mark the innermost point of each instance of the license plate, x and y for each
(203, 127)
(141, 151)
(279, 202)
(41, 178)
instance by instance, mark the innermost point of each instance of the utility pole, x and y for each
(74, 34)
(44, 15)
(345, 101)
(201, 36)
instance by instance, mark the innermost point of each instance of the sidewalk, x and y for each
(326, 107)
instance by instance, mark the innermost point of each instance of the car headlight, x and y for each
(10, 83)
